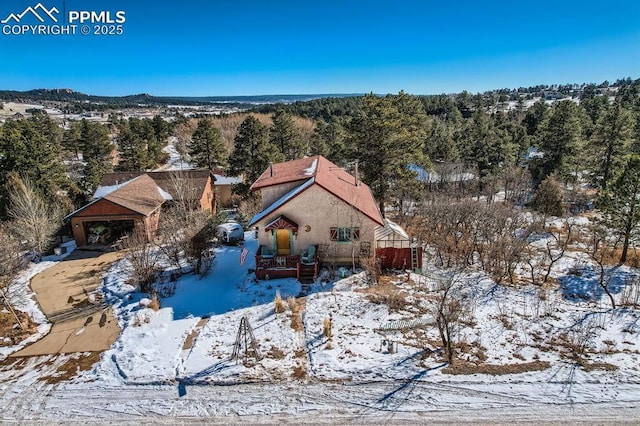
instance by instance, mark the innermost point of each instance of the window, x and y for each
(344, 234)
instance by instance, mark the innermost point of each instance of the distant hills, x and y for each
(145, 99)
(81, 101)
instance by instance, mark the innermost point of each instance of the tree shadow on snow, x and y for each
(584, 285)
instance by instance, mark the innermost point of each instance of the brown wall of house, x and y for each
(146, 224)
(223, 194)
(315, 211)
(104, 207)
(208, 198)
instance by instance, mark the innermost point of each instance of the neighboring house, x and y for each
(131, 207)
(224, 188)
(312, 210)
(192, 186)
(131, 202)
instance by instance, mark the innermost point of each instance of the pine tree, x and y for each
(206, 148)
(486, 149)
(160, 129)
(611, 141)
(285, 135)
(440, 145)
(96, 152)
(620, 204)
(549, 198)
(328, 140)
(535, 116)
(560, 140)
(33, 149)
(131, 149)
(388, 137)
(252, 152)
(144, 131)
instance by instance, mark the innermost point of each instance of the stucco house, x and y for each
(131, 202)
(224, 187)
(312, 210)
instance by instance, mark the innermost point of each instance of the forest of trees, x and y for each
(508, 142)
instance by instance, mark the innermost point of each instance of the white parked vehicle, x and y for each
(230, 233)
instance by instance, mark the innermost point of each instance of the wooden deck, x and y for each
(285, 267)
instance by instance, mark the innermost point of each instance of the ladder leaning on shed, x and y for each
(415, 263)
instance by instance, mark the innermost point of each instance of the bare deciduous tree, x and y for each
(12, 261)
(185, 194)
(142, 259)
(450, 306)
(34, 220)
(599, 250)
(556, 246)
(183, 133)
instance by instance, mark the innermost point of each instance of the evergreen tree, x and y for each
(96, 152)
(32, 148)
(144, 131)
(252, 152)
(620, 204)
(206, 147)
(328, 140)
(484, 148)
(440, 145)
(71, 139)
(388, 137)
(549, 198)
(560, 140)
(131, 149)
(160, 129)
(611, 141)
(535, 116)
(515, 136)
(285, 135)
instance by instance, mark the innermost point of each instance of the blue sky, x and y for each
(236, 47)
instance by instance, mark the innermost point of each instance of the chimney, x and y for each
(271, 169)
(356, 173)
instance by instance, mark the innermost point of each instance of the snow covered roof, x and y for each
(228, 180)
(388, 229)
(288, 171)
(140, 195)
(165, 180)
(164, 194)
(103, 191)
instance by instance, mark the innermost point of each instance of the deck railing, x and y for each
(276, 262)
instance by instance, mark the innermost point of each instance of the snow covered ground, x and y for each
(174, 161)
(174, 365)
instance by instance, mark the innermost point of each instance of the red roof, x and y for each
(289, 171)
(328, 176)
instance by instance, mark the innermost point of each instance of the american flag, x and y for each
(243, 255)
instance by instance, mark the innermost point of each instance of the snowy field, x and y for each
(174, 365)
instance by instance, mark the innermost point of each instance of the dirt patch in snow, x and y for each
(73, 366)
(386, 292)
(495, 369)
(11, 332)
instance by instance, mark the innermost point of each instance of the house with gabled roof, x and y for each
(194, 186)
(125, 203)
(312, 210)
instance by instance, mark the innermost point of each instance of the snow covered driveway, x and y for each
(379, 402)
